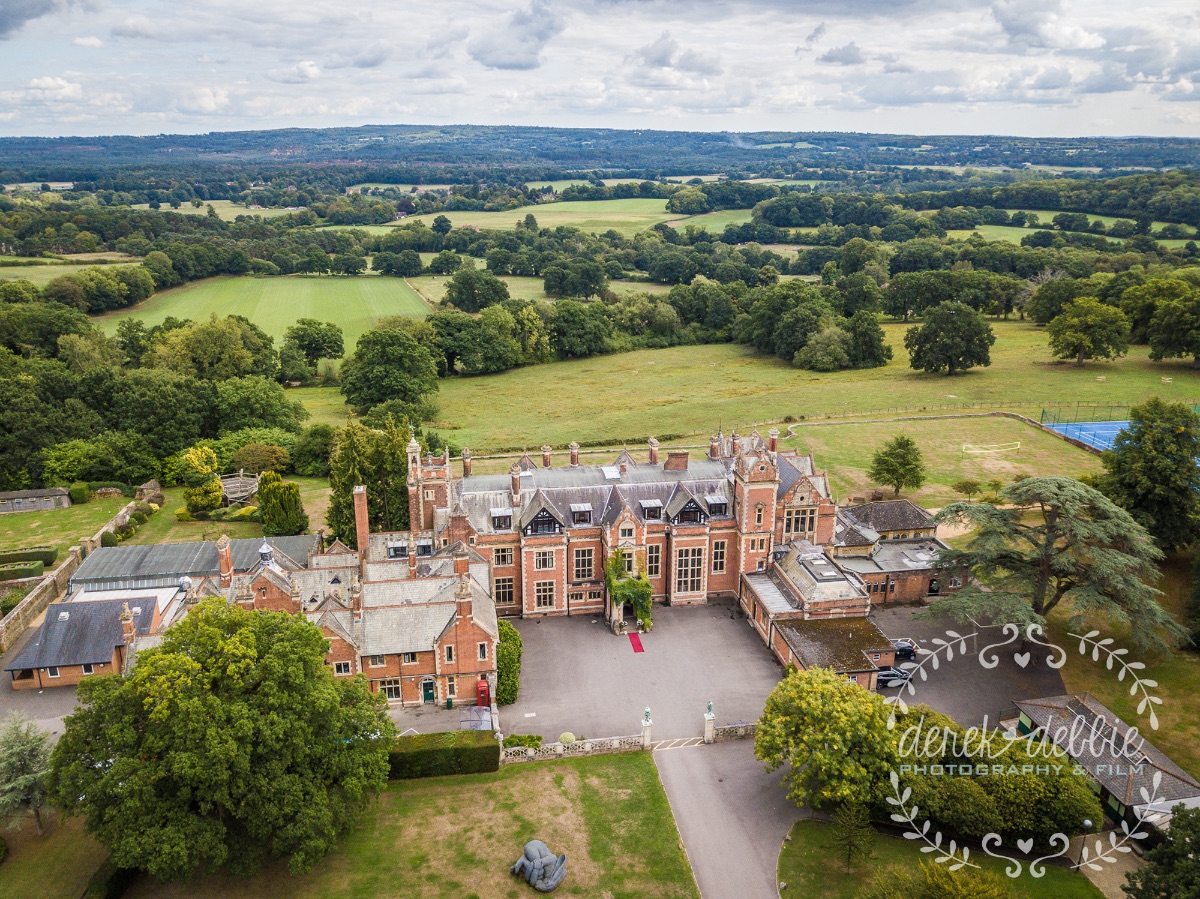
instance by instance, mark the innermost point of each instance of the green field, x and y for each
(627, 217)
(715, 221)
(41, 274)
(62, 528)
(688, 390)
(226, 209)
(808, 864)
(433, 287)
(354, 303)
(456, 837)
(1046, 216)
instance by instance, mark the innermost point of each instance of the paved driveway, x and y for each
(962, 688)
(732, 816)
(577, 676)
(47, 707)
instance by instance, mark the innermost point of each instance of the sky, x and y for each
(1033, 67)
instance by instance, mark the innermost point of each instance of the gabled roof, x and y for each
(405, 629)
(79, 633)
(540, 503)
(679, 501)
(625, 459)
(891, 515)
(34, 494)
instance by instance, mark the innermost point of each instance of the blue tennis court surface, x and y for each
(1097, 434)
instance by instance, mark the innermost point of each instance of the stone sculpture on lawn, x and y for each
(540, 867)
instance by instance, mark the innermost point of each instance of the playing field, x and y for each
(274, 304)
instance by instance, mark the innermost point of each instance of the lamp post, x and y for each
(1087, 829)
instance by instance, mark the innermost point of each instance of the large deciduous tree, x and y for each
(1173, 867)
(832, 734)
(316, 339)
(1152, 473)
(1088, 329)
(388, 364)
(953, 338)
(474, 289)
(1175, 330)
(898, 464)
(229, 744)
(1054, 541)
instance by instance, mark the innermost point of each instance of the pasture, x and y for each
(627, 217)
(433, 287)
(226, 209)
(274, 304)
(714, 222)
(43, 272)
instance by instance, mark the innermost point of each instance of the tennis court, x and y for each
(1096, 434)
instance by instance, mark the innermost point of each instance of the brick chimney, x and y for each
(677, 460)
(362, 526)
(653, 442)
(574, 448)
(773, 440)
(466, 460)
(462, 564)
(225, 560)
(714, 448)
(546, 455)
(128, 627)
(514, 475)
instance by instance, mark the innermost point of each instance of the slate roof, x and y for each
(88, 635)
(837, 643)
(405, 629)
(897, 555)
(163, 564)
(34, 494)
(891, 515)
(847, 531)
(1102, 759)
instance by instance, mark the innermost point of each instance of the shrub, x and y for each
(246, 513)
(44, 554)
(16, 570)
(138, 518)
(124, 532)
(566, 737)
(533, 741)
(147, 509)
(108, 538)
(435, 755)
(219, 514)
(182, 514)
(10, 601)
(508, 665)
(279, 502)
(79, 493)
(256, 458)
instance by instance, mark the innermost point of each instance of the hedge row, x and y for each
(17, 570)
(434, 755)
(44, 554)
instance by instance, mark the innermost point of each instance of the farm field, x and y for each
(274, 304)
(624, 216)
(62, 528)
(226, 209)
(1046, 216)
(44, 273)
(808, 864)
(456, 837)
(433, 287)
(714, 221)
(564, 183)
(692, 389)
(404, 188)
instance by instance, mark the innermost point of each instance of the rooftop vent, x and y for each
(63, 616)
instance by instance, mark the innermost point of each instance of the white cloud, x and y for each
(90, 41)
(848, 55)
(52, 88)
(204, 101)
(300, 73)
(517, 44)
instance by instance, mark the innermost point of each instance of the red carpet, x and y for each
(636, 642)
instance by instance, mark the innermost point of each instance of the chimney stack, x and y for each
(574, 448)
(128, 628)
(466, 460)
(462, 564)
(514, 475)
(677, 460)
(773, 440)
(653, 441)
(546, 455)
(362, 527)
(225, 560)
(714, 448)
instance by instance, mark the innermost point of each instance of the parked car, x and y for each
(892, 677)
(906, 649)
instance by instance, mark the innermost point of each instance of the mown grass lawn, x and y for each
(62, 528)
(808, 864)
(456, 837)
(353, 303)
(57, 865)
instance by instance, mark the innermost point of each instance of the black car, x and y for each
(906, 649)
(892, 677)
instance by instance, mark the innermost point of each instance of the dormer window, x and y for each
(397, 551)
(651, 509)
(424, 548)
(581, 513)
(502, 523)
(717, 505)
(543, 523)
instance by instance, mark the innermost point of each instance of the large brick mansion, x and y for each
(693, 526)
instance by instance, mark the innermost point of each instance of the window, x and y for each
(627, 561)
(581, 517)
(575, 597)
(758, 516)
(450, 654)
(424, 547)
(595, 594)
(892, 587)
(376, 661)
(341, 669)
(689, 571)
(543, 523)
(716, 506)
(543, 594)
(874, 657)
(502, 555)
(543, 560)
(397, 551)
(584, 567)
(852, 678)
(483, 652)
(429, 494)
(409, 658)
(625, 532)
(718, 557)
(87, 668)
(799, 521)
(652, 513)
(391, 688)
(501, 522)
(691, 515)
(653, 561)
(955, 581)
(52, 671)
(451, 687)
(502, 590)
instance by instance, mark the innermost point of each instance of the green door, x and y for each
(427, 691)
